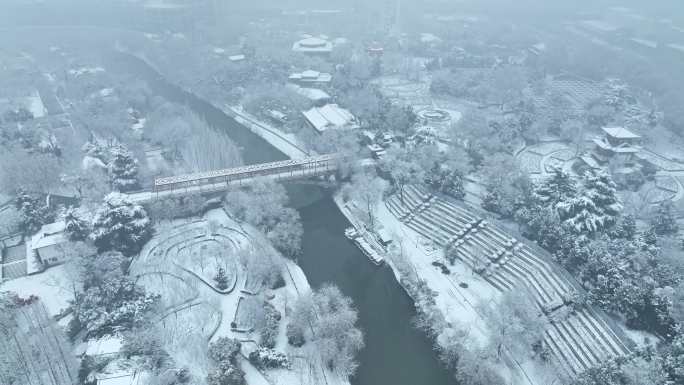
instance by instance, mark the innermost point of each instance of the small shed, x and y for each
(46, 247)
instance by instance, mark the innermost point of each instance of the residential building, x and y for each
(46, 247)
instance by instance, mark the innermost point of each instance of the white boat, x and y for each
(363, 244)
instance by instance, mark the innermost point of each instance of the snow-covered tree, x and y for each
(77, 227)
(264, 206)
(33, 211)
(221, 279)
(664, 221)
(596, 208)
(475, 367)
(223, 354)
(120, 225)
(513, 320)
(674, 359)
(332, 319)
(400, 164)
(110, 302)
(558, 188)
(123, 169)
(445, 180)
(366, 190)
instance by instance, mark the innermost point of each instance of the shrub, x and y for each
(264, 358)
(224, 349)
(278, 282)
(221, 279)
(295, 335)
(226, 374)
(269, 333)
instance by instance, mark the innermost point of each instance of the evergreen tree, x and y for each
(596, 208)
(34, 212)
(625, 228)
(664, 222)
(77, 228)
(120, 225)
(558, 188)
(123, 169)
(446, 181)
(221, 279)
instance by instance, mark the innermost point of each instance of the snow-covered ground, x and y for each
(287, 143)
(52, 286)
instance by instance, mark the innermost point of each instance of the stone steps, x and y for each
(579, 342)
(561, 351)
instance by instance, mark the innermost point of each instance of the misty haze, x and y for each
(341, 192)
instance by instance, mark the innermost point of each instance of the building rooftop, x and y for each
(312, 94)
(330, 116)
(620, 133)
(313, 45)
(49, 235)
(311, 76)
(622, 149)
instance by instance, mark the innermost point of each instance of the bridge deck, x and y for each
(221, 180)
(296, 167)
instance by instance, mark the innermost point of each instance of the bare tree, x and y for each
(35, 173)
(367, 189)
(513, 319)
(331, 320)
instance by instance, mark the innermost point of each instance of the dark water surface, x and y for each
(395, 353)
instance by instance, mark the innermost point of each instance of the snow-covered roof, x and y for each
(235, 58)
(49, 235)
(620, 133)
(313, 42)
(85, 70)
(330, 116)
(108, 345)
(122, 377)
(313, 45)
(313, 94)
(622, 149)
(311, 76)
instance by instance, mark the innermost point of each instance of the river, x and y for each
(395, 352)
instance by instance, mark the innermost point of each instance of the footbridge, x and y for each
(221, 180)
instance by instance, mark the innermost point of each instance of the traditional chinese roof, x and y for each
(620, 133)
(329, 116)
